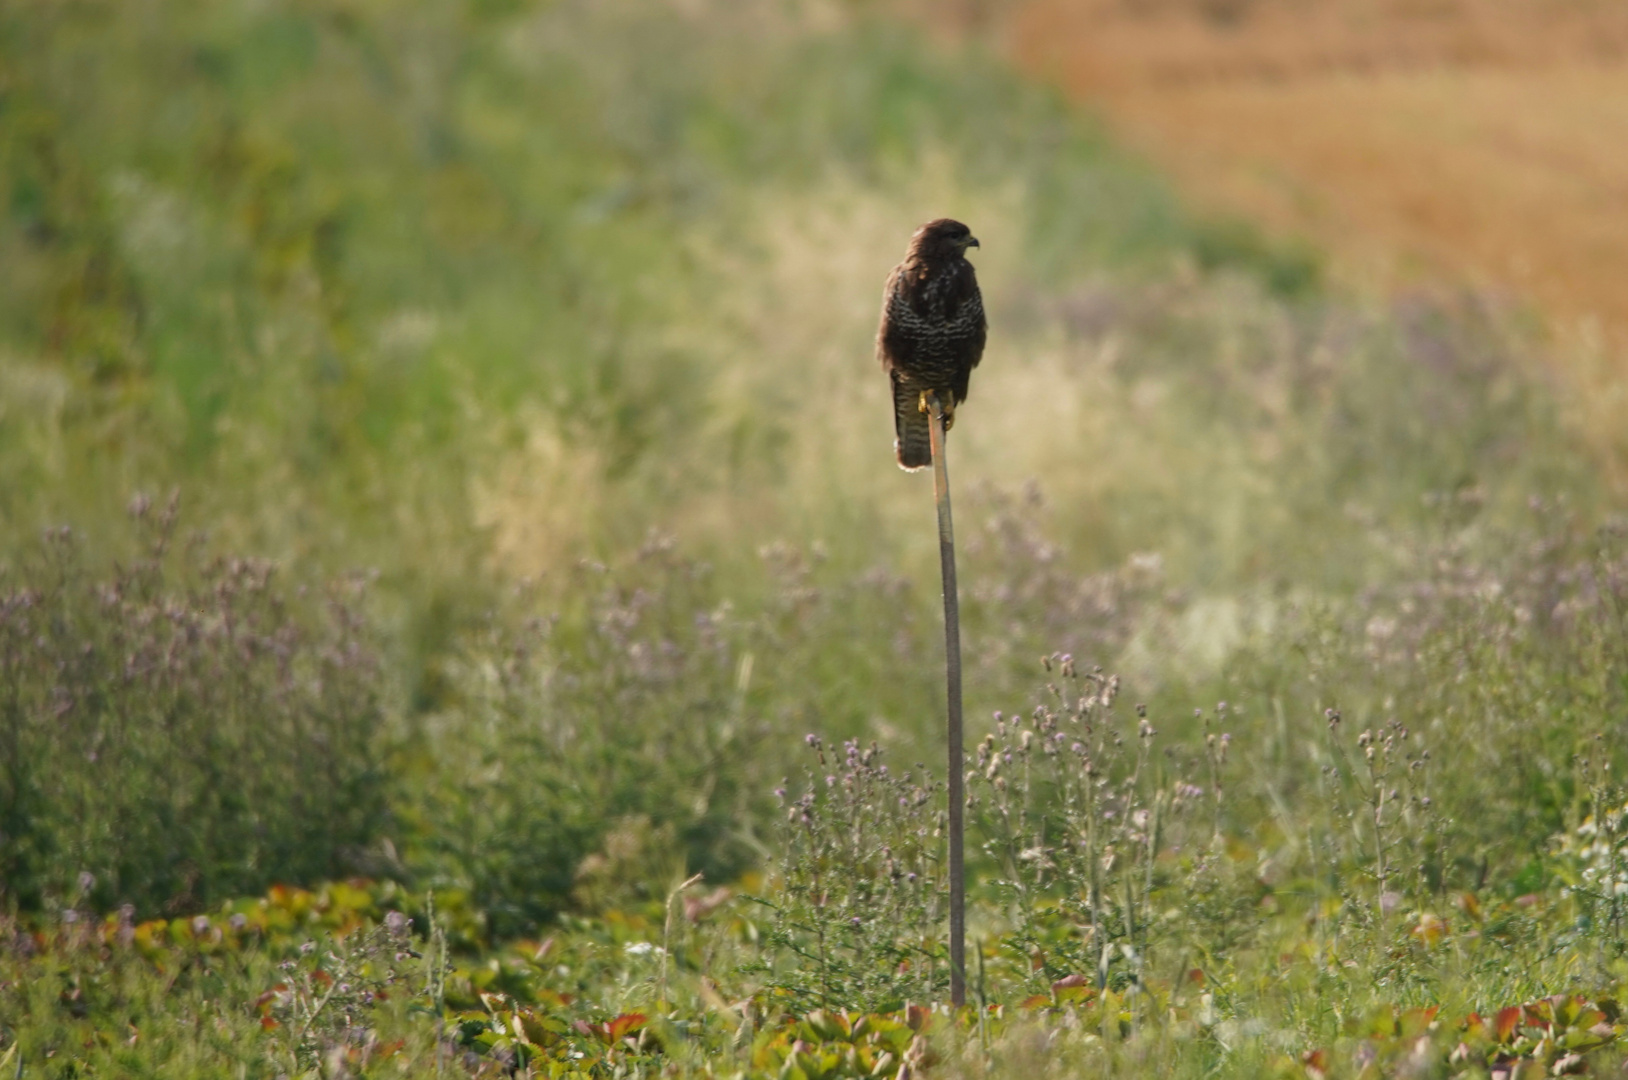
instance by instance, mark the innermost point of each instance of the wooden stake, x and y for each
(952, 675)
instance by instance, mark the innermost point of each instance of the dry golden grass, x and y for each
(1504, 178)
(1113, 45)
(1480, 141)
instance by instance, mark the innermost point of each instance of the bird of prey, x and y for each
(932, 333)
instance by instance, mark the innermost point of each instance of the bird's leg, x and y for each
(945, 403)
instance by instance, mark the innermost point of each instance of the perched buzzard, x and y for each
(932, 333)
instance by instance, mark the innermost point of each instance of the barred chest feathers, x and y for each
(941, 311)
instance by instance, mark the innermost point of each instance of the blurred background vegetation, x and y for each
(511, 364)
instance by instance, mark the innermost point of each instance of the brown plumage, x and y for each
(932, 333)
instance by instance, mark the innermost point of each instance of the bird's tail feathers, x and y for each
(914, 445)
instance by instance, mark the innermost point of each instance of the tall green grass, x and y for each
(558, 317)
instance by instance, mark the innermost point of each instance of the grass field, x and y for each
(447, 505)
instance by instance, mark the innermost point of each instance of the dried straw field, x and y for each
(1484, 141)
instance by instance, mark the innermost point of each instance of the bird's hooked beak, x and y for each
(971, 241)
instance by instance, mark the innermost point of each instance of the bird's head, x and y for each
(942, 239)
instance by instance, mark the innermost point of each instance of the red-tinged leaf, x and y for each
(1073, 990)
(1540, 1014)
(625, 1024)
(582, 1028)
(1315, 1062)
(382, 994)
(1416, 1021)
(1034, 1001)
(917, 1018)
(267, 1023)
(389, 1050)
(1507, 1020)
(1037, 959)
(1196, 977)
(320, 976)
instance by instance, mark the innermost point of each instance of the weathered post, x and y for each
(952, 678)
